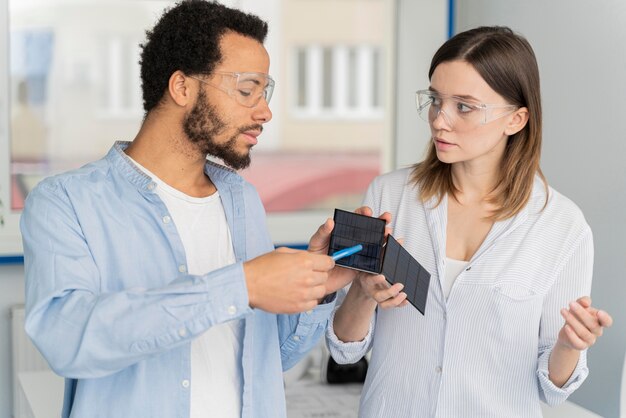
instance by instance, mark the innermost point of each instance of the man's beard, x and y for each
(203, 124)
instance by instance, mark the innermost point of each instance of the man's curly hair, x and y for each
(186, 38)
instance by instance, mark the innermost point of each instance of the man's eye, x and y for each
(245, 93)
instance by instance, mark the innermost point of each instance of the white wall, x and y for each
(580, 46)
(11, 293)
(422, 28)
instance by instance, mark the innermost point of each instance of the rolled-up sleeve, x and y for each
(347, 352)
(573, 282)
(299, 333)
(351, 352)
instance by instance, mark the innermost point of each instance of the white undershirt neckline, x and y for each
(216, 373)
(452, 271)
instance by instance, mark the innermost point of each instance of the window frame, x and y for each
(341, 108)
(292, 229)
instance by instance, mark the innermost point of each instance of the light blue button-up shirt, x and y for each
(110, 305)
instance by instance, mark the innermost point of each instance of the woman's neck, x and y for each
(475, 182)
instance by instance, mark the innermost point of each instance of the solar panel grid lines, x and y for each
(351, 229)
(400, 267)
(380, 254)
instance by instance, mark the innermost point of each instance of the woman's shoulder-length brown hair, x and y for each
(506, 61)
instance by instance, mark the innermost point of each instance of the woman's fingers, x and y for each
(397, 301)
(605, 319)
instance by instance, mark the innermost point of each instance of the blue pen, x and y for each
(346, 252)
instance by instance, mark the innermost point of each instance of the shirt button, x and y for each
(469, 268)
(151, 186)
(309, 312)
(166, 219)
(185, 383)
(296, 338)
(232, 310)
(438, 369)
(182, 268)
(182, 332)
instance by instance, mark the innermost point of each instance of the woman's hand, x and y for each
(376, 287)
(583, 325)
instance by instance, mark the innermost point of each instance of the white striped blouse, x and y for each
(483, 351)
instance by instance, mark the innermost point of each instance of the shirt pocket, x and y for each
(514, 314)
(514, 292)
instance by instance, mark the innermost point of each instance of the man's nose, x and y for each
(262, 112)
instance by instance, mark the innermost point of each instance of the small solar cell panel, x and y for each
(352, 229)
(380, 254)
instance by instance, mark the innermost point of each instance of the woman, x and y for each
(507, 323)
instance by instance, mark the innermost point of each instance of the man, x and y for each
(151, 284)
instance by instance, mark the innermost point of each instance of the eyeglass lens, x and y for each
(456, 111)
(251, 87)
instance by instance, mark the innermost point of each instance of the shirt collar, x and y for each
(122, 162)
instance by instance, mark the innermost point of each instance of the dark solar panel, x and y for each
(352, 229)
(400, 267)
(390, 258)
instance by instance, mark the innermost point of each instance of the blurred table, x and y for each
(313, 399)
(306, 398)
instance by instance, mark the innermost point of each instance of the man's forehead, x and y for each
(243, 54)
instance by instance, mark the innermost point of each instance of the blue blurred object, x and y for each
(346, 252)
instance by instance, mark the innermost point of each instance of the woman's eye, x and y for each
(464, 107)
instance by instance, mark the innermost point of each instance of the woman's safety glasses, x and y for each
(458, 112)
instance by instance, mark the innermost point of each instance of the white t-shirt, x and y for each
(453, 269)
(216, 375)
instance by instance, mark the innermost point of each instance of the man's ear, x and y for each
(517, 122)
(180, 88)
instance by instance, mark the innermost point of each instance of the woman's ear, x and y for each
(517, 121)
(180, 89)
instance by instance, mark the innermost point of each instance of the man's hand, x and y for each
(583, 325)
(338, 277)
(287, 280)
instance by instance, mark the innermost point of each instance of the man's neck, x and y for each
(163, 149)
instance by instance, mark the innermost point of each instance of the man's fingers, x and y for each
(322, 262)
(319, 240)
(318, 292)
(287, 250)
(318, 278)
